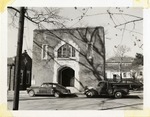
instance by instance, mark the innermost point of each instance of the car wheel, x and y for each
(90, 94)
(118, 94)
(31, 93)
(57, 94)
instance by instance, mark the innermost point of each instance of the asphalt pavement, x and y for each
(80, 102)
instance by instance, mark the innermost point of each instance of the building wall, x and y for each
(47, 70)
(113, 68)
(111, 73)
(10, 77)
(26, 73)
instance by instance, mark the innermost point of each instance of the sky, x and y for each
(132, 36)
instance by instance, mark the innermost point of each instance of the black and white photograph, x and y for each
(75, 58)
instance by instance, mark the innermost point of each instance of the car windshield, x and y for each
(44, 85)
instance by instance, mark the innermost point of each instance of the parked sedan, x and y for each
(134, 84)
(48, 89)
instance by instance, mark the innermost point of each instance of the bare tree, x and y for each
(50, 16)
(38, 16)
(120, 53)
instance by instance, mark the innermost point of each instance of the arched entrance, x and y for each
(66, 77)
(68, 64)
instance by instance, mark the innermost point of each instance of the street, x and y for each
(132, 102)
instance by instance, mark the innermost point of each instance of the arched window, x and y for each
(66, 51)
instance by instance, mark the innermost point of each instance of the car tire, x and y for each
(118, 94)
(31, 93)
(90, 93)
(57, 94)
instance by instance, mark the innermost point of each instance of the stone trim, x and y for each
(60, 63)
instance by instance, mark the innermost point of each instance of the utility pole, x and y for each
(120, 68)
(18, 59)
(104, 56)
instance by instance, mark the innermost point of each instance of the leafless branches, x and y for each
(50, 16)
(42, 16)
(132, 21)
(122, 50)
(121, 20)
(82, 36)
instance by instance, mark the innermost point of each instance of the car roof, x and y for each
(48, 83)
(51, 83)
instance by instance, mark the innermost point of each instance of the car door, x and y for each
(104, 88)
(43, 89)
(49, 89)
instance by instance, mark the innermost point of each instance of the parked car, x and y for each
(117, 90)
(133, 84)
(48, 89)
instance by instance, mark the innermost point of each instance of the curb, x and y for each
(20, 92)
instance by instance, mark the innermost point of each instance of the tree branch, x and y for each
(25, 15)
(132, 21)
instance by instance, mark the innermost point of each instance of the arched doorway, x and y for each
(66, 77)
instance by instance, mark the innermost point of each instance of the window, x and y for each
(114, 77)
(44, 85)
(124, 75)
(44, 51)
(28, 77)
(106, 75)
(49, 85)
(21, 77)
(45, 36)
(141, 73)
(66, 51)
(128, 81)
(90, 50)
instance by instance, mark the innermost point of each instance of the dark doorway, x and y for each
(66, 76)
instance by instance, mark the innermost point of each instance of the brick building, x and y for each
(73, 58)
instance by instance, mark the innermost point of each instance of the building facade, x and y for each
(116, 67)
(26, 67)
(73, 58)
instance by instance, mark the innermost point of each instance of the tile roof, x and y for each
(113, 63)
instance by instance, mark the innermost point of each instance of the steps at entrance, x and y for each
(73, 89)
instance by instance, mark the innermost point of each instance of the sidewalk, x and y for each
(139, 93)
(24, 95)
(10, 95)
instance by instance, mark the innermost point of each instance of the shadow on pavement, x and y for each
(123, 106)
(132, 96)
(39, 97)
(125, 97)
